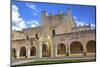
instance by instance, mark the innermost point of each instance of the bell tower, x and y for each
(44, 18)
(44, 13)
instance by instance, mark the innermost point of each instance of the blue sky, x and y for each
(28, 14)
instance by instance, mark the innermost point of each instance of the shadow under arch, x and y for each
(14, 52)
(91, 46)
(23, 51)
(46, 52)
(33, 51)
(61, 49)
(76, 47)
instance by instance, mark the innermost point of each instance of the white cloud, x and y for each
(81, 23)
(78, 23)
(17, 21)
(14, 8)
(32, 6)
(92, 25)
(75, 17)
(33, 23)
(15, 28)
(34, 13)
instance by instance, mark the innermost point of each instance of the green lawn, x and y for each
(53, 62)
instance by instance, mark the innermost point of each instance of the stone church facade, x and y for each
(57, 36)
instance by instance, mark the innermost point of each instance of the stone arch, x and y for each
(23, 51)
(33, 51)
(91, 46)
(61, 49)
(14, 52)
(45, 51)
(76, 47)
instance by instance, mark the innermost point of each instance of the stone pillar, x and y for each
(84, 48)
(55, 50)
(67, 50)
(17, 54)
(40, 51)
(28, 53)
(51, 49)
(52, 52)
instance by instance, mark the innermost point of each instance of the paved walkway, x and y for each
(17, 62)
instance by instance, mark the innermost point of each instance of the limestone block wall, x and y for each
(32, 32)
(61, 23)
(18, 35)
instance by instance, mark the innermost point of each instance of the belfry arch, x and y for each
(76, 47)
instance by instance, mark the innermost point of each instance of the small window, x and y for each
(36, 35)
(53, 32)
(27, 37)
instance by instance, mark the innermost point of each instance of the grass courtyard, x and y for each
(52, 62)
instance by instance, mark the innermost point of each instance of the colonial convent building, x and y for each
(57, 36)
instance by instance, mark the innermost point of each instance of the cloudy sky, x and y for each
(28, 14)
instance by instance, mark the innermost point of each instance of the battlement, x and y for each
(45, 13)
(50, 19)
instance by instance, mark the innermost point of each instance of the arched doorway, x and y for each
(46, 52)
(23, 51)
(33, 51)
(76, 47)
(91, 46)
(61, 49)
(14, 52)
